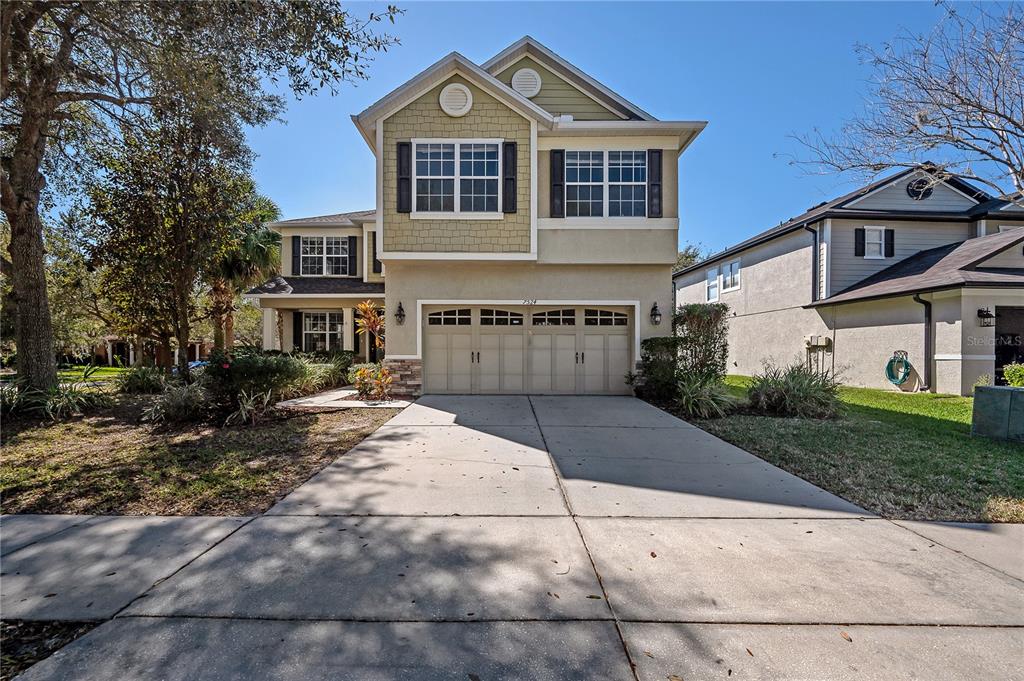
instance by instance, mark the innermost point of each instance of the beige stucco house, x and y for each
(522, 240)
(906, 264)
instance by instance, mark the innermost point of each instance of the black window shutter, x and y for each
(353, 260)
(296, 256)
(890, 243)
(654, 183)
(858, 242)
(405, 177)
(558, 183)
(355, 337)
(377, 267)
(508, 177)
(296, 331)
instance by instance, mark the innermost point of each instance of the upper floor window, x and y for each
(731, 276)
(599, 183)
(874, 242)
(584, 184)
(457, 177)
(711, 284)
(324, 255)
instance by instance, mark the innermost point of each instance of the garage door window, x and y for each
(604, 318)
(460, 317)
(555, 318)
(500, 318)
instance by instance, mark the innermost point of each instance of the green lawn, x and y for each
(102, 373)
(898, 455)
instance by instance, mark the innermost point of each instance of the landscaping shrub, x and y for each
(252, 407)
(794, 391)
(179, 403)
(703, 333)
(314, 377)
(141, 380)
(702, 398)
(371, 381)
(62, 401)
(658, 368)
(11, 398)
(1014, 374)
(227, 376)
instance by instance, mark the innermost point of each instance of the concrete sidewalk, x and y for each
(539, 538)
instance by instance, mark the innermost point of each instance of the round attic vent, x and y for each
(526, 82)
(456, 99)
(919, 189)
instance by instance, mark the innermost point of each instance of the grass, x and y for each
(109, 463)
(898, 455)
(74, 373)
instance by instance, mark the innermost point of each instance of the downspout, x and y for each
(929, 353)
(815, 274)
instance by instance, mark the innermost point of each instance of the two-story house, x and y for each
(523, 236)
(905, 264)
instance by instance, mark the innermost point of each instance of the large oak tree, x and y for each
(75, 73)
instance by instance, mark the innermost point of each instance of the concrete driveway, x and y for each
(561, 538)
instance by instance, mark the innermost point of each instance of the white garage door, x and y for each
(527, 349)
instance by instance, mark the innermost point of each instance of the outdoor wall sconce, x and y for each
(655, 314)
(985, 317)
(400, 314)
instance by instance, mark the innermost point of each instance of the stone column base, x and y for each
(407, 377)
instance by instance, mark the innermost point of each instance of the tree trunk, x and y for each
(279, 318)
(140, 348)
(229, 330)
(221, 299)
(22, 184)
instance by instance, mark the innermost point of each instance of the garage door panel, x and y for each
(595, 377)
(460, 373)
(435, 356)
(541, 362)
(565, 363)
(512, 359)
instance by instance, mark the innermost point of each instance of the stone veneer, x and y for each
(407, 377)
(488, 119)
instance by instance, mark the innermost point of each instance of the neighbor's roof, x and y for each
(351, 219)
(837, 208)
(952, 266)
(316, 286)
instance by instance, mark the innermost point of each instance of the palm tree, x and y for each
(255, 256)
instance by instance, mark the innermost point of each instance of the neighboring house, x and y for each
(903, 264)
(115, 350)
(526, 224)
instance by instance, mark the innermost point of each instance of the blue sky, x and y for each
(757, 72)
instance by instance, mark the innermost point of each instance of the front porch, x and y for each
(322, 327)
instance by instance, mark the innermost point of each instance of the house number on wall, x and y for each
(529, 301)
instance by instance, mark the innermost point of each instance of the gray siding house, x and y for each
(908, 264)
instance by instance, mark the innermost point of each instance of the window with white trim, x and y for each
(584, 184)
(324, 255)
(599, 184)
(874, 242)
(592, 317)
(457, 177)
(731, 276)
(711, 284)
(459, 317)
(627, 184)
(322, 331)
(489, 317)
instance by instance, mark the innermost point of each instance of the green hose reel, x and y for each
(898, 368)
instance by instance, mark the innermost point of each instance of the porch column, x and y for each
(175, 356)
(348, 328)
(131, 354)
(270, 339)
(110, 354)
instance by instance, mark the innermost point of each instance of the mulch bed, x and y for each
(24, 643)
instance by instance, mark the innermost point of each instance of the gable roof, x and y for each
(951, 266)
(529, 46)
(420, 84)
(350, 219)
(840, 207)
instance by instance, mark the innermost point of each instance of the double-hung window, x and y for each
(324, 255)
(457, 177)
(627, 184)
(599, 184)
(731, 276)
(874, 242)
(712, 285)
(584, 184)
(322, 331)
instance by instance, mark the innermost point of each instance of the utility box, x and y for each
(998, 413)
(817, 341)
